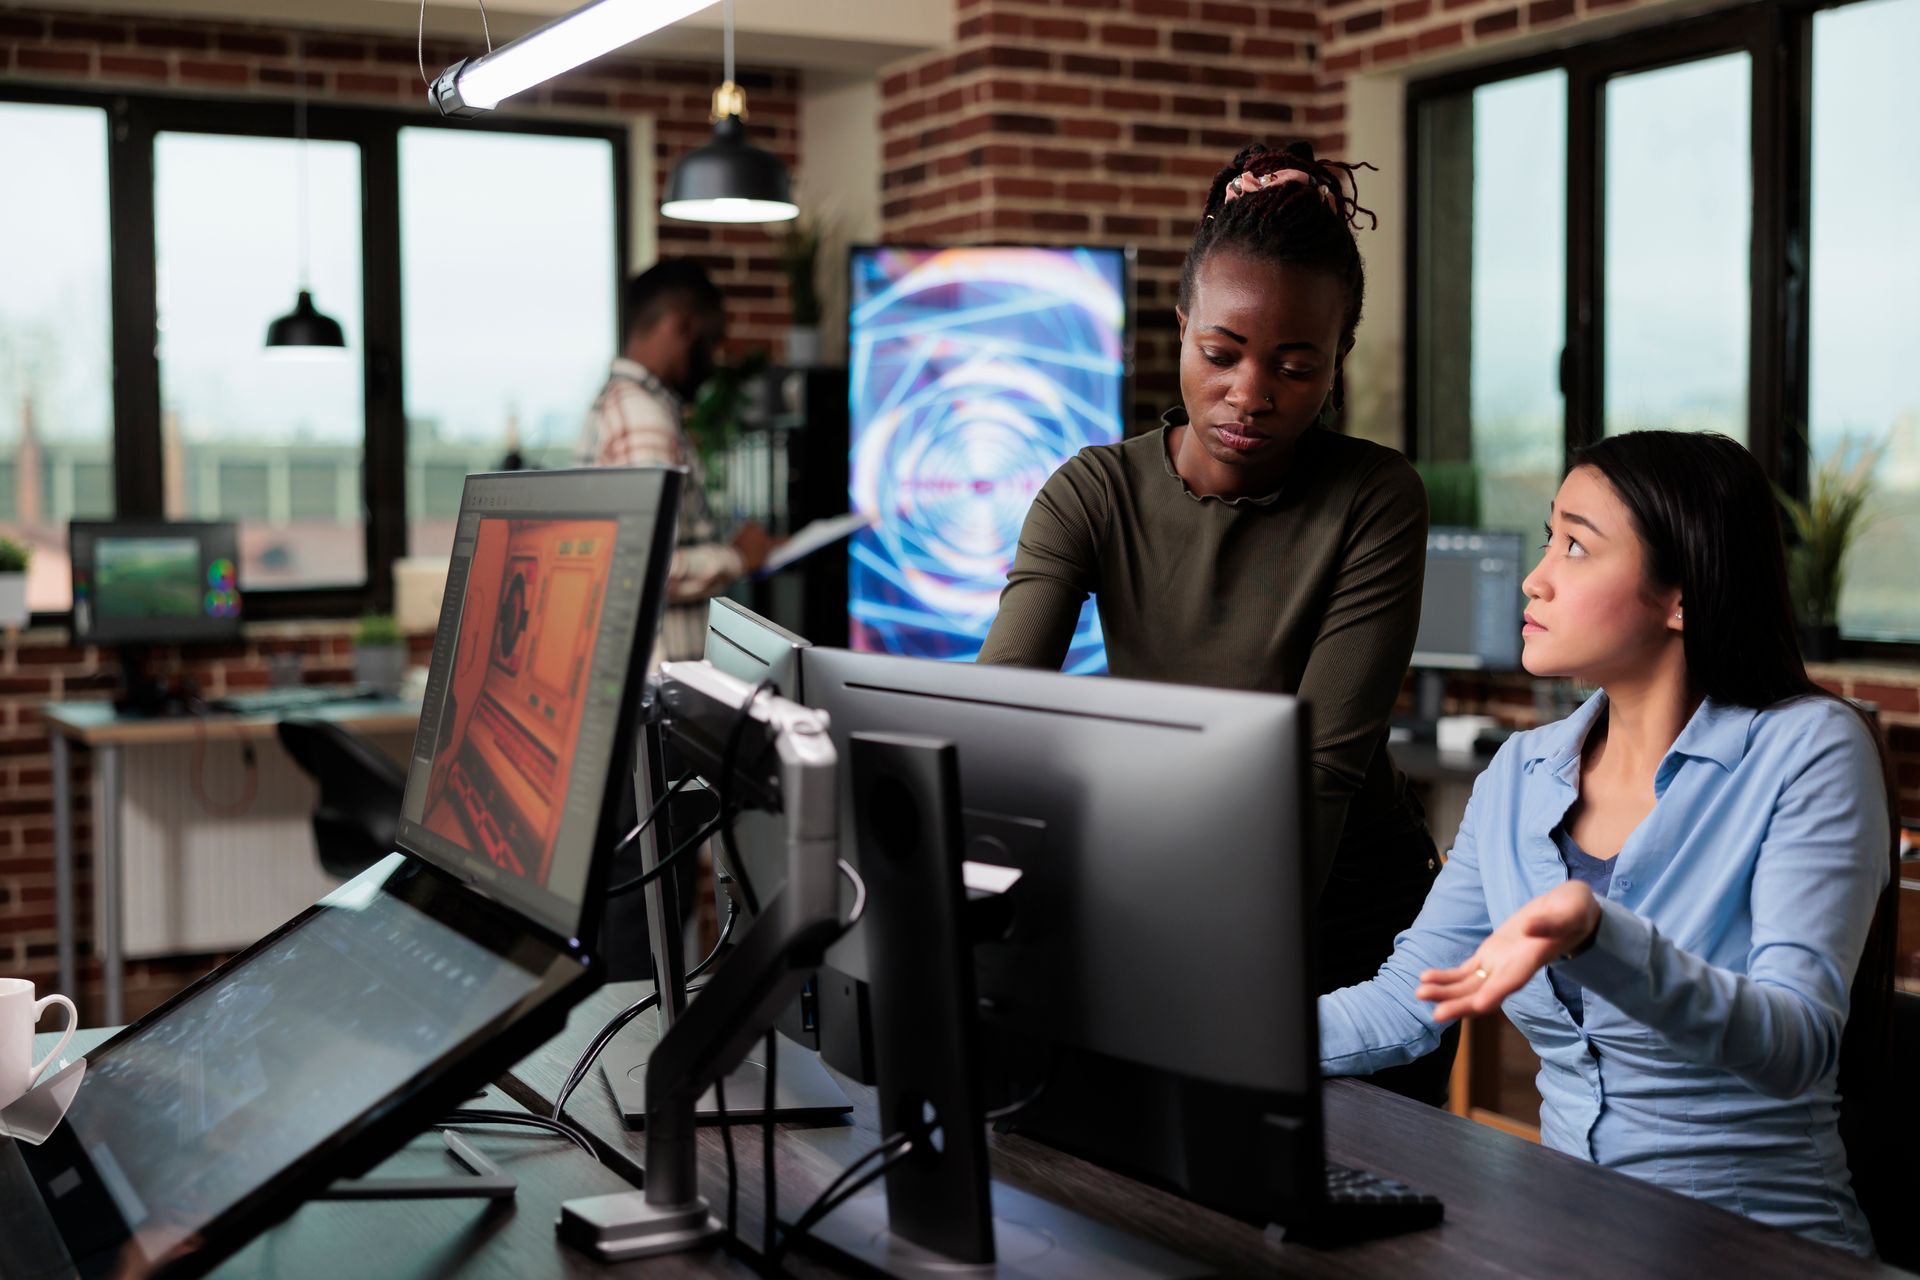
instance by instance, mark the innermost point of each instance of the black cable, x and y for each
(615, 1025)
(561, 1127)
(666, 864)
(598, 1044)
(726, 932)
(1013, 1109)
(627, 840)
(726, 1140)
(829, 1200)
(770, 1202)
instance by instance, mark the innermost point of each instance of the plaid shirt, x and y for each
(636, 422)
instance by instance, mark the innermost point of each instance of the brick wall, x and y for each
(1091, 121)
(1366, 36)
(148, 54)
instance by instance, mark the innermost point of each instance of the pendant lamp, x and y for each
(729, 179)
(306, 332)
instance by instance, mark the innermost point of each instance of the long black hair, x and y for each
(1711, 526)
(1308, 224)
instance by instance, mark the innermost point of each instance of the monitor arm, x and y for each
(746, 992)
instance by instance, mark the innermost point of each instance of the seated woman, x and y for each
(1245, 545)
(1670, 891)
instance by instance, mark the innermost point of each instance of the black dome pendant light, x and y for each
(729, 179)
(306, 331)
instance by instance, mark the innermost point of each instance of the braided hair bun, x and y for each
(1284, 205)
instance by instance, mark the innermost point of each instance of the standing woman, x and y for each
(1244, 545)
(1672, 891)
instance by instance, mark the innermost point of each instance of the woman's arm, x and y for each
(1381, 1023)
(1360, 654)
(1052, 571)
(1777, 1026)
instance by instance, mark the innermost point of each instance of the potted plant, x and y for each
(1825, 525)
(13, 582)
(800, 257)
(1453, 493)
(379, 654)
(713, 419)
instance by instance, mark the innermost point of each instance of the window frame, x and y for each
(133, 123)
(1777, 36)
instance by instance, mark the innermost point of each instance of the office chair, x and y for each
(1895, 1232)
(360, 792)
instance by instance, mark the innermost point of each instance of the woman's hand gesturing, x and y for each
(1557, 922)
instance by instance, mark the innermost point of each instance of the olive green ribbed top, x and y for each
(1311, 590)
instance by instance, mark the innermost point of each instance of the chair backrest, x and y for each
(1890, 1186)
(360, 793)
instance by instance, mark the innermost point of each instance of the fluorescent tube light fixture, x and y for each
(473, 85)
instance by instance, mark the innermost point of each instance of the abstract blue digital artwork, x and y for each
(975, 372)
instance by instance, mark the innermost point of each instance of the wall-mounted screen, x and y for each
(975, 372)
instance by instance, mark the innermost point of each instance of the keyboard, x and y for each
(283, 702)
(1361, 1205)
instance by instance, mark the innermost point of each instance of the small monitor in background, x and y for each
(1470, 611)
(154, 582)
(138, 583)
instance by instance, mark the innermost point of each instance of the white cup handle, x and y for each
(73, 1024)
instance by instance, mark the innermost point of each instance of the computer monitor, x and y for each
(339, 1036)
(751, 648)
(975, 371)
(138, 583)
(1160, 930)
(154, 581)
(1470, 611)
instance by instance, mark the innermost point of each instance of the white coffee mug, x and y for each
(19, 1011)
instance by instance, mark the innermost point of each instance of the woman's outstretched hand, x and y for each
(1553, 924)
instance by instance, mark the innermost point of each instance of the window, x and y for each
(1494, 247)
(136, 381)
(500, 360)
(1864, 330)
(56, 356)
(1693, 227)
(243, 428)
(1676, 282)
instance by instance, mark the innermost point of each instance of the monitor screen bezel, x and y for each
(224, 534)
(587, 921)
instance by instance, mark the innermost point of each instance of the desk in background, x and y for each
(97, 726)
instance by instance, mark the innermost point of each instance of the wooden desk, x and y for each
(425, 1239)
(1513, 1208)
(98, 726)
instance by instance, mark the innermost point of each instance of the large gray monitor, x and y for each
(1160, 834)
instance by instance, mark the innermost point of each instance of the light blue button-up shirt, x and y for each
(1716, 989)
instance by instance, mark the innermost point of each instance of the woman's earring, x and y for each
(1328, 413)
(1677, 614)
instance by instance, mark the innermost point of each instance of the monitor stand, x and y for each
(140, 694)
(486, 1180)
(941, 1213)
(803, 1091)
